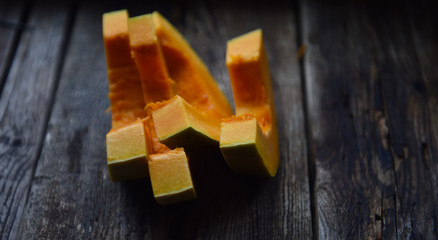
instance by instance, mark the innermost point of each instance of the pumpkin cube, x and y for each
(170, 177)
(127, 152)
(244, 146)
(178, 124)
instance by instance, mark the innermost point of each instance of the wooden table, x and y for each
(357, 116)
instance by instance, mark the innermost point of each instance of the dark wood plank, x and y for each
(24, 107)
(407, 56)
(355, 182)
(372, 94)
(11, 16)
(72, 196)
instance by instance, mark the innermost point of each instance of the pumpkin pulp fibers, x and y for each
(125, 94)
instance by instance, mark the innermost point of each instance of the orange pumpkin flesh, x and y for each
(158, 86)
(126, 144)
(178, 124)
(170, 177)
(193, 81)
(250, 148)
(127, 152)
(125, 94)
(169, 170)
(146, 51)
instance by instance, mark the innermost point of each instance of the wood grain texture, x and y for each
(72, 196)
(371, 94)
(24, 107)
(372, 89)
(11, 17)
(355, 183)
(407, 55)
(425, 34)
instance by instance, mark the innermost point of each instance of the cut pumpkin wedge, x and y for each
(178, 124)
(126, 143)
(193, 81)
(249, 142)
(125, 93)
(146, 51)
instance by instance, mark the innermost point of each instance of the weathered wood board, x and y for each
(357, 116)
(372, 117)
(25, 105)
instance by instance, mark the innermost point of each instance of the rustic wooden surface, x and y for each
(357, 116)
(25, 105)
(371, 90)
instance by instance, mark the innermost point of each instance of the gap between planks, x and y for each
(311, 159)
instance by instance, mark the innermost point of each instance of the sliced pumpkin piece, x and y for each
(249, 142)
(125, 93)
(126, 143)
(193, 81)
(146, 50)
(178, 124)
(170, 177)
(127, 152)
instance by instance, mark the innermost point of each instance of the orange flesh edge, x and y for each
(240, 118)
(156, 83)
(154, 143)
(193, 81)
(250, 78)
(125, 94)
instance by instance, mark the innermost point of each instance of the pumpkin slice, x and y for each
(146, 50)
(170, 177)
(125, 93)
(178, 124)
(249, 142)
(193, 81)
(127, 152)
